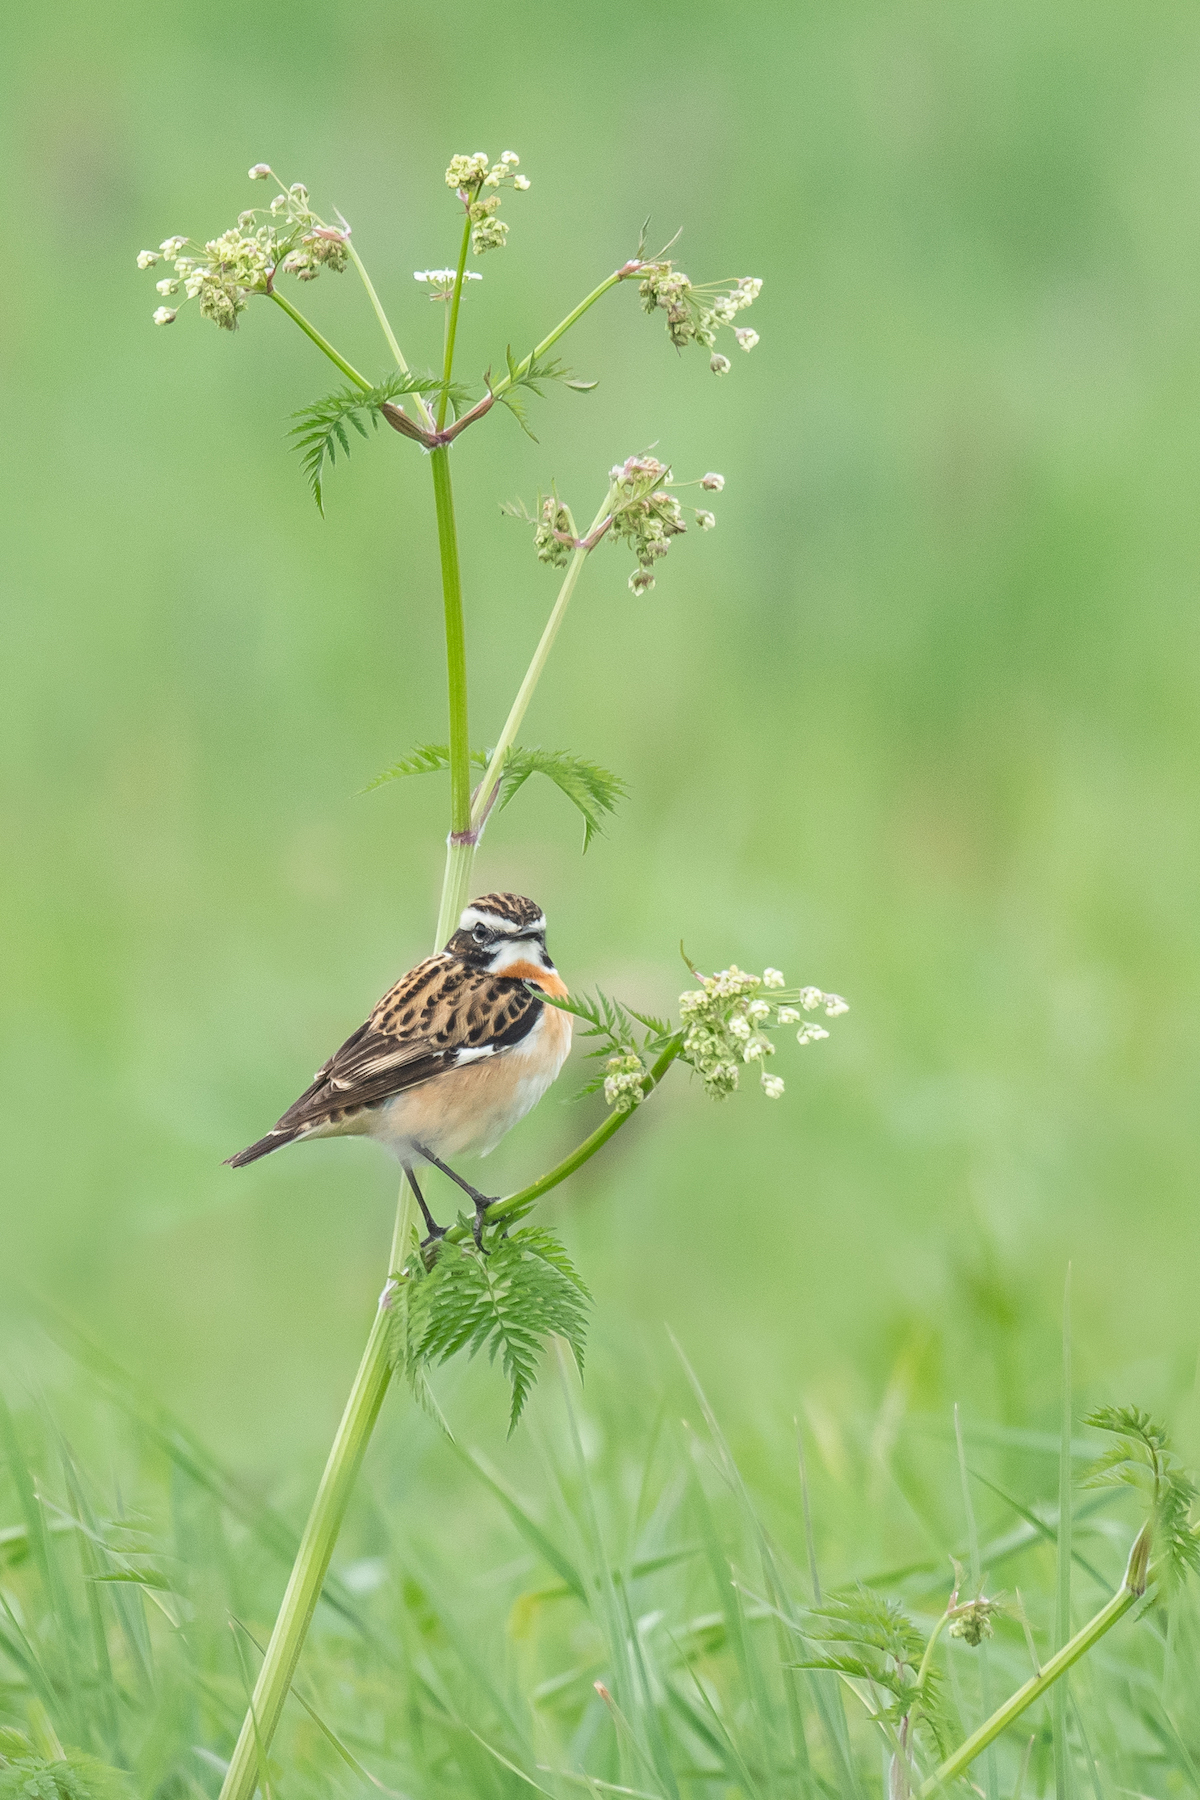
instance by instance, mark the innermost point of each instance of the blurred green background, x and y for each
(917, 723)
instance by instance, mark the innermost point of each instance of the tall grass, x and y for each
(620, 1613)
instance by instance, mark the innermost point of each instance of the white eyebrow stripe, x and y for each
(473, 916)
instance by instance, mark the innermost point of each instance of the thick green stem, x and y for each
(533, 674)
(460, 849)
(311, 1565)
(311, 331)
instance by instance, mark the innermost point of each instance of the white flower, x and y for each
(510, 156)
(759, 1011)
(811, 1034)
(748, 289)
(167, 287)
(810, 998)
(147, 259)
(260, 171)
(720, 365)
(714, 483)
(164, 315)
(834, 1004)
(739, 1027)
(772, 1086)
(279, 202)
(789, 1015)
(705, 520)
(521, 182)
(772, 978)
(746, 337)
(172, 246)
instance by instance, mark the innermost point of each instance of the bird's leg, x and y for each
(482, 1201)
(435, 1231)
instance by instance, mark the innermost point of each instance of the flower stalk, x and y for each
(1137, 1578)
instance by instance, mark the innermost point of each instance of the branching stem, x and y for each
(485, 794)
(385, 325)
(631, 268)
(311, 331)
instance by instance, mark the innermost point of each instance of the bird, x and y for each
(455, 1053)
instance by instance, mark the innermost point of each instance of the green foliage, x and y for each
(73, 1777)
(592, 790)
(321, 428)
(533, 379)
(1141, 1457)
(615, 1026)
(506, 1299)
(881, 1646)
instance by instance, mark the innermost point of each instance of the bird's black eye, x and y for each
(481, 934)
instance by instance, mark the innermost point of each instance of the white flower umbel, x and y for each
(440, 282)
(726, 1019)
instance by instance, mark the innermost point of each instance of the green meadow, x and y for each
(917, 723)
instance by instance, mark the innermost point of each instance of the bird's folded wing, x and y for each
(438, 1017)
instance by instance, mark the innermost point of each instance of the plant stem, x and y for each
(1033, 1690)
(452, 325)
(565, 325)
(515, 1206)
(485, 793)
(388, 333)
(312, 1563)
(1062, 1606)
(460, 848)
(322, 343)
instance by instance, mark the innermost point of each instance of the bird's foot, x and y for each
(482, 1202)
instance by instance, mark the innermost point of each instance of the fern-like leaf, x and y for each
(533, 378)
(506, 1300)
(1141, 1457)
(422, 759)
(873, 1639)
(320, 429)
(592, 790)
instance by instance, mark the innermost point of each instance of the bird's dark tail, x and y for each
(274, 1140)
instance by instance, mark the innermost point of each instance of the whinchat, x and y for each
(452, 1056)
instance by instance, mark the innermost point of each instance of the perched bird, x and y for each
(453, 1055)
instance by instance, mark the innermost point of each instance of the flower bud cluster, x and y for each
(973, 1622)
(624, 1081)
(554, 538)
(645, 514)
(694, 314)
(227, 271)
(725, 1021)
(469, 176)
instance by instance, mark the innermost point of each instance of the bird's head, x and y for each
(505, 934)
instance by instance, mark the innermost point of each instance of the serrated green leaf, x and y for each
(422, 759)
(592, 790)
(321, 428)
(505, 1300)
